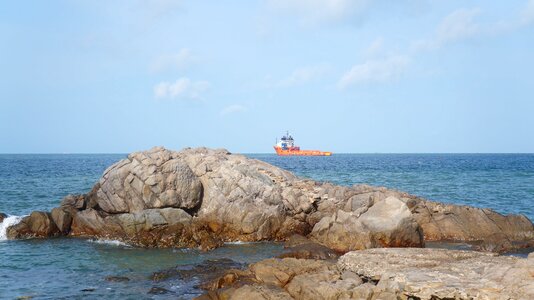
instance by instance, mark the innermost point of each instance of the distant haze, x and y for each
(340, 75)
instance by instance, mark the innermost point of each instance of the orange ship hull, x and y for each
(298, 152)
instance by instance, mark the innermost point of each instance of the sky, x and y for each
(361, 76)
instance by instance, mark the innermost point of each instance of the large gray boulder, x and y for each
(153, 179)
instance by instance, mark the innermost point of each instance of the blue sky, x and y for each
(345, 76)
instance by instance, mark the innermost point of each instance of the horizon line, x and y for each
(255, 153)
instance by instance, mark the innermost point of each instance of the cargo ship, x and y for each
(286, 147)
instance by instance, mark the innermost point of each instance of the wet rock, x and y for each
(2, 217)
(310, 250)
(37, 225)
(296, 240)
(299, 246)
(205, 272)
(388, 223)
(117, 279)
(156, 290)
(202, 197)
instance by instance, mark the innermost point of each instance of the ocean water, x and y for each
(64, 268)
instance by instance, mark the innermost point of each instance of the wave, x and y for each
(240, 243)
(8, 222)
(108, 242)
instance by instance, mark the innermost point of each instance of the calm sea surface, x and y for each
(74, 268)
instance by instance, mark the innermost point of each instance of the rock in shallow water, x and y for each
(37, 225)
(203, 197)
(205, 271)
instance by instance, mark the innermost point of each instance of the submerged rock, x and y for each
(117, 279)
(203, 197)
(205, 272)
(156, 290)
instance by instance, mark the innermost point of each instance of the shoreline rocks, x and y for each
(386, 273)
(203, 197)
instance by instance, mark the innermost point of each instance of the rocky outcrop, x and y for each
(38, 224)
(204, 197)
(388, 223)
(407, 273)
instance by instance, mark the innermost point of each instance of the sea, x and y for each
(68, 268)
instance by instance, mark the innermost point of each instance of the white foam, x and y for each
(108, 242)
(8, 222)
(239, 243)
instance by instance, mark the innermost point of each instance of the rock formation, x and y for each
(204, 197)
(395, 273)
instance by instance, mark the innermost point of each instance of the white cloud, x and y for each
(375, 71)
(317, 11)
(305, 74)
(375, 48)
(181, 88)
(178, 61)
(235, 108)
(459, 25)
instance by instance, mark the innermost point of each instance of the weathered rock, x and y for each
(77, 202)
(388, 223)
(388, 273)
(37, 225)
(156, 178)
(280, 271)
(202, 197)
(62, 217)
(247, 292)
(463, 223)
(442, 274)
